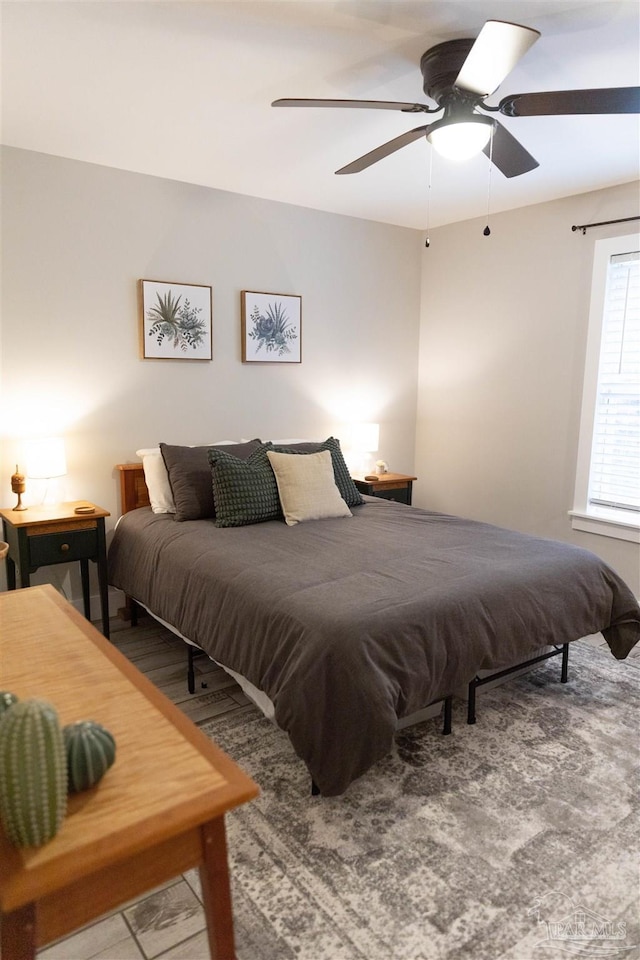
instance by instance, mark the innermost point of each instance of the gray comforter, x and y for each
(349, 624)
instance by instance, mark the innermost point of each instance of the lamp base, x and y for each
(18, 486)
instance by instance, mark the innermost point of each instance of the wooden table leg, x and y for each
(18, 934)
(86, 592)
(216, 892)
(103, 578)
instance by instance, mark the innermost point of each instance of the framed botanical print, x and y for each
(271, 327)
(175, 320)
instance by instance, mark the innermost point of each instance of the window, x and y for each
(608, 475)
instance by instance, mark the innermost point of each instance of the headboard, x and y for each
(133, 489)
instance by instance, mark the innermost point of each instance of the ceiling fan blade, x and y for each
(562, 102)
(508, 154)
(383, 151)
(498, 47)
(359, 104)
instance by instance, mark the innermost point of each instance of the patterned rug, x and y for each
(515, 839)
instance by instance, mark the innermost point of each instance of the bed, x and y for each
(350, 623)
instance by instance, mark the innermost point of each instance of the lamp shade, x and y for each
(460, 139)
(365, 437)
(46, 458)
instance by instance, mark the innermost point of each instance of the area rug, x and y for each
(516, 838)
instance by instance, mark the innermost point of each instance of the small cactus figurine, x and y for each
(33, 773)
(7, 699)
(91, 750)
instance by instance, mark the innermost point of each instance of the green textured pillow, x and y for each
(348, 490)
(244, 491)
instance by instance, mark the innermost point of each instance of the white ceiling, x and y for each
(183, 90)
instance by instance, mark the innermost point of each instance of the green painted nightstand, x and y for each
(45, 535)
(389, 486)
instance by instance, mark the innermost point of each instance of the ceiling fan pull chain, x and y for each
(487, 231)
(427, 242)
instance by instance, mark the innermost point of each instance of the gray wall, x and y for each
(76, 238)
(498, 333)
(502, 348)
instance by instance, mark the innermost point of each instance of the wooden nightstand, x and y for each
(389, 486)
(45, 535)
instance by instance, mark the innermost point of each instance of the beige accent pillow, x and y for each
(307, 487)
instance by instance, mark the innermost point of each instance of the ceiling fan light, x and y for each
(460, 139)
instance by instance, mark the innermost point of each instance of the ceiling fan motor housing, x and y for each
(440, 66)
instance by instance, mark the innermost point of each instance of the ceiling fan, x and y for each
(459, 75)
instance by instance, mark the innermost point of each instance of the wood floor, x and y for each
(162, 657)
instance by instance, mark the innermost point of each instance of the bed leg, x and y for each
(315, 792)
(471, 706)
(191, 675)
(446, 727)
(564, 675)
(129, 611)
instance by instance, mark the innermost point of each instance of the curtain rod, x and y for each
(603, 223)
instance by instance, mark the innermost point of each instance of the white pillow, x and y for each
(157, 478)
(280, 443)
(307, 487)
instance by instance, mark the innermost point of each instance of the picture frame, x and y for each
(175, 320)
(271, 327)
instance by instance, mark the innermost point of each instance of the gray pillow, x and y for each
(244, 491)
(348, 490)
(190, 477)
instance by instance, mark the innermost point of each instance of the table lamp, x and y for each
(364, 439)
(46, 460)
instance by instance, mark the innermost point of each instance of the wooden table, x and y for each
(157, 812)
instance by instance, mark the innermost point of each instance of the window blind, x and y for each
(614, 478)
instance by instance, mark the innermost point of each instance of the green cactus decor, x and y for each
(7, 700)
(91, 750)
(33, 773)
